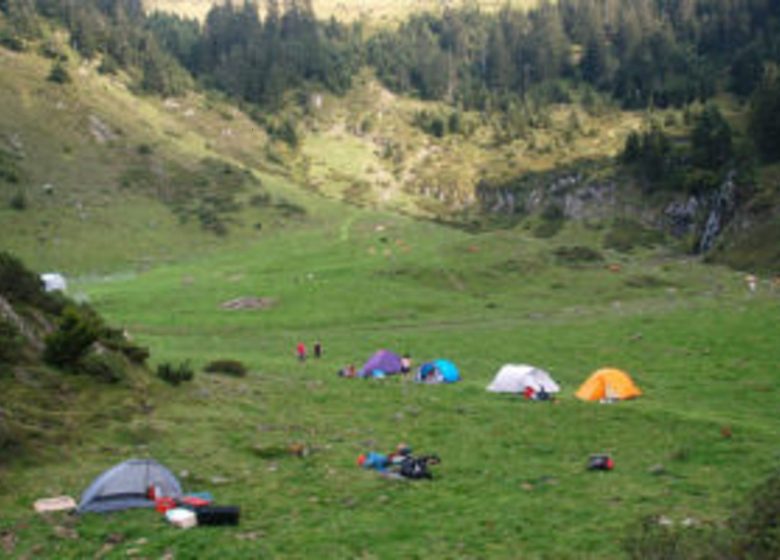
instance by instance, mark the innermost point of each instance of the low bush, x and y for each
(18, 284)
(18, 201)
(10, 342)
(552, 222)
(577, 254)
(115, 339)
(625, 235)
(59, 74)
(756, 526)
(227, 367)
(647, 281)
(548, 229)
(105, 366)
(79, 328)
(752, 532)
(174, 375)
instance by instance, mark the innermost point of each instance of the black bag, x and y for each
(218, 515)
(417, 467)
(600, 463)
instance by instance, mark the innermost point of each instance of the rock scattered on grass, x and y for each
(8, 541)
(248, 303)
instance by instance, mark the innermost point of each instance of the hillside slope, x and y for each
(99, 174)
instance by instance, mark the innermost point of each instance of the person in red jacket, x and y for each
(301, 351)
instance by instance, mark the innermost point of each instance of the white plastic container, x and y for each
(181, 517)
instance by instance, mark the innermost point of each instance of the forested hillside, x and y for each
(702, 72)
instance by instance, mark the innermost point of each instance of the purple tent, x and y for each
(385, 361)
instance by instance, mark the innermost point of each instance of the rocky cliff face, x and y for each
(704, 216)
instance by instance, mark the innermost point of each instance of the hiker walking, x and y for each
(318, 349)
(301, 351)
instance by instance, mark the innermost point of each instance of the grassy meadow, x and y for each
(512, 482)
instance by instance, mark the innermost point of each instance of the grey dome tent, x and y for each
(126, 486)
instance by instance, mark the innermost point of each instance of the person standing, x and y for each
(318, 349)
(301, 351)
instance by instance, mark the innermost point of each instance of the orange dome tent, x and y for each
(608, 383)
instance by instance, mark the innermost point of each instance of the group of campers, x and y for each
(384, 363)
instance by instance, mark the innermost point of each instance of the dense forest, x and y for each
(639, 53)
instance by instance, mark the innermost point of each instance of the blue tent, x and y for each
(438, 371)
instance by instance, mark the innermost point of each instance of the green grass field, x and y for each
(512, 482)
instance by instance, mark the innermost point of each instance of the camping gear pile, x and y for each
(145, 483)
(600, 462)
(400, 463)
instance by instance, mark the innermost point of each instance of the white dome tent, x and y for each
(54, 282)
(515, 378)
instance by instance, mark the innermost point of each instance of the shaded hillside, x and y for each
(56, 355)
(469, 117)
(94, 176)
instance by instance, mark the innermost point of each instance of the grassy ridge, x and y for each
(513, 472)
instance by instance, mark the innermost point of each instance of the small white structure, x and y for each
(54, 282)
(514, 378)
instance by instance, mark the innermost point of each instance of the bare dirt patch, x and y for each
(249, 303)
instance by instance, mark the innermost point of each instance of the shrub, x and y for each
(18, 201)
(16, 282)
(9, 167)
(751, 532)
(105, 366)
(653, 539)
(647, 281)
(11, 41)
(757, 526)
(174, 375)
(10, 342)
(626, 234)
(59, 73)
(114, 339)
(78, 330)
(228, 367)
(577, 254)
(552, 223)
(108, 65)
